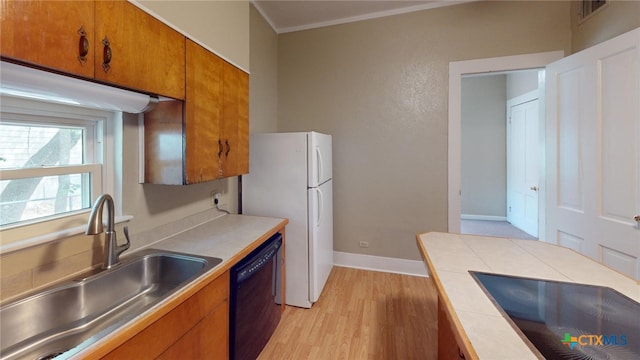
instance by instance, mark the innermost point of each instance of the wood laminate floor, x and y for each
(361, 315)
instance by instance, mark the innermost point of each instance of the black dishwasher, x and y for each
(254, 302)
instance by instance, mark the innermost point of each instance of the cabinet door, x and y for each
(48, 33)
(185, 326)
(207, 340)
(203, 113)
(163, 144)
(215, 126)
(144, 53)
(235, 123)
(448, 347)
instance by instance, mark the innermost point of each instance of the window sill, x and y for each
(53, 236)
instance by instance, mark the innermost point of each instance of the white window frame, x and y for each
(106, 169)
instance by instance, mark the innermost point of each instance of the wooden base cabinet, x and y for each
(196, 329)
(448, 347)
(206, 340)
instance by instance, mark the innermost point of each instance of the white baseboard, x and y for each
(483, 217)
(378, 263)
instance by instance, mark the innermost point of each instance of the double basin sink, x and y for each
(75, 314)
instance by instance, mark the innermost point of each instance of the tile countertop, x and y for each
(229, 237)
(450, 257)
(224, 237)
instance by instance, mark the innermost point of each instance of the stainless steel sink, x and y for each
(52, 321)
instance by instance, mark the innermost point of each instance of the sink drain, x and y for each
(51, 355)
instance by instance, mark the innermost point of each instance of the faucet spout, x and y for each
(95, 226)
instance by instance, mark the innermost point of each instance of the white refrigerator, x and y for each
(290, 176)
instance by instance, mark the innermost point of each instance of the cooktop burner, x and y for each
(566, 320)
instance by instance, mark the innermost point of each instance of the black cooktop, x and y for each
(566, 320)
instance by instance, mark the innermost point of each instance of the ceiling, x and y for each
(295, 15)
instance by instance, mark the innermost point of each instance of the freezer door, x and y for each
(320, 238)
(319, 158)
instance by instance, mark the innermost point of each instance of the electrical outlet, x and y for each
(215, 195)
(364, 244)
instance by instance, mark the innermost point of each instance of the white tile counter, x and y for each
(224, 237)
(450, 257)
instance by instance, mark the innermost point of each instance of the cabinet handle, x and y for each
(460, 353)
(83, 46)
(106, 54)
(220, 147)
(228, 148)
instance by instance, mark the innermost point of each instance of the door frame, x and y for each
(478, 66)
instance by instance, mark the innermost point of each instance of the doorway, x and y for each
(456, 72)
(499, 155)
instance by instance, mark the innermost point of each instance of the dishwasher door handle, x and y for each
(259, 260)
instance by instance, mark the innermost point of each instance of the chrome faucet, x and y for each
(111, 249)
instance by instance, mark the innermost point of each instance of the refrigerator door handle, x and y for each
(319, 164)
(320, 206)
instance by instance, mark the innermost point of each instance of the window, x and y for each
(53, 161)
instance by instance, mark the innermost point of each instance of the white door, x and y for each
(593, 152)
(320, 238)
(522, 165)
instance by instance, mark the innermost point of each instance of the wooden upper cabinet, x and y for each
(137, 51)
(52, 34)
(111, 41)
(203, 115)
(217, 117)
(235, 121)
(210, 139)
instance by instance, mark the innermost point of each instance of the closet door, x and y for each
(593, 152)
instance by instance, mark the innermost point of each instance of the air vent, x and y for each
(589, 7)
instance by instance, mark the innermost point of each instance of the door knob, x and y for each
(534, 188)
(637, 218)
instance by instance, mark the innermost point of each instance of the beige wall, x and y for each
(155, 205)
(616, 18)
(151, 205)
(263, 84)
(483, 133)
(222, 26)
(521, 82)
(380, 87)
